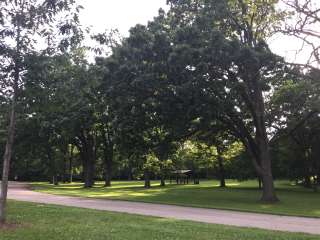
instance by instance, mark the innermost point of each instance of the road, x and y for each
(21, 192)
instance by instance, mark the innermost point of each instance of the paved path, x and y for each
(21, 192)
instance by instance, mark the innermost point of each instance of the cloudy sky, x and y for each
(123, 14)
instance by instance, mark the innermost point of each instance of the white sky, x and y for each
(124, 14)
(120, 14)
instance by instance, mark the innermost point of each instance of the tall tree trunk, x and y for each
(318, 167)
(130, 177)
(207, 170)
(88, 168)
(162, 181)
(11, 129)
(87, 148)
(163, 156)
(108, 154)
(71, 164)
(261, 139)
(260, 183)
(316, 183)
(261, 159)
(147, 183)
(12, 125)
(221, 168)
(108, 162)
(6, 162)
(268, 190)
(162, 176)
(64, 177)
(53, 169)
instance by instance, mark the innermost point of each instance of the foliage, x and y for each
(196, 88)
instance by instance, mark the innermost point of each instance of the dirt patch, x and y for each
(10, 227)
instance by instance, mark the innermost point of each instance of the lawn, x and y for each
(241, 196)
(35, 221)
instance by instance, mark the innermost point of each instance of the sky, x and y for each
(120, 14)
(124, 14)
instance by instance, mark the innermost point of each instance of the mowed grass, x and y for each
(38, 222)
(241, 196)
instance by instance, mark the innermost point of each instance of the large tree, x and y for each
(295, 105)
(204, 60)
(221, 48)
(142, 97)
(23, 24)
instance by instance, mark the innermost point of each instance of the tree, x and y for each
(81, 114)
(132, 101)
(303, 23)
(105, 115)
(295, 105)
(44, 105)
(201, 55)
(23, 22)
(141, 92)
(221, 46)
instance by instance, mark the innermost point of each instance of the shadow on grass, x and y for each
(243, 196)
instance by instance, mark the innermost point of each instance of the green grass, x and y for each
(38, 222)
(244, 196)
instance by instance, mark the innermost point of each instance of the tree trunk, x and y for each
(6, 162)
(262, 143)
(108, 145)
(108, 162)
(316, 183)
(162, 181)
(53, 178)
(268, 190)
(147, 183)
(268, 195)
(260, 183)
(88, 168)
(308, 168)
(11, 129)
(64, 177)
(71, 164)
(163, 155)
(317, 177)
(130, 177)
(318, 168)
(262, 164)
(87, 148)
(221, 168)
(207, 171)
(307, 181)
(162, 177)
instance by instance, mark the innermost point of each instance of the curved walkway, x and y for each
(20, 192)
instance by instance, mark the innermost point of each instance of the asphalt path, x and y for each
(22, 192)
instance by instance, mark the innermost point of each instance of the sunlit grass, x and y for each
(39, 222)
(242, 196)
